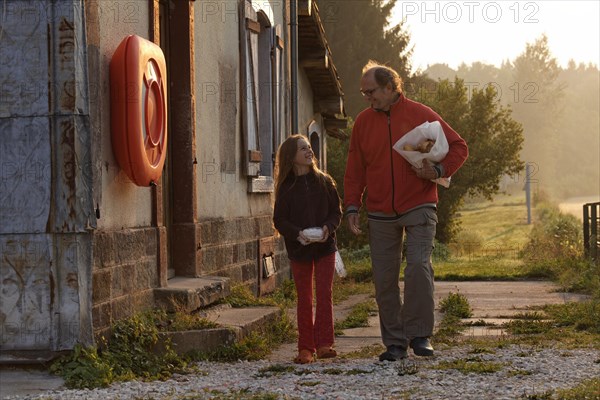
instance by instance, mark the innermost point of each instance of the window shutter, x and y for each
(278, 88)
(249, 30)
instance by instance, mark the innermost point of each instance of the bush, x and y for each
(555, 236)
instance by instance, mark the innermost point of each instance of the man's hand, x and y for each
(354, 224)
(427, 171)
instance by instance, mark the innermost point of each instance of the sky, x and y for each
(453, 32)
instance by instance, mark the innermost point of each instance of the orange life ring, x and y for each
(138, 76)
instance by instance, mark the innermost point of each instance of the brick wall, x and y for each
(230, 248)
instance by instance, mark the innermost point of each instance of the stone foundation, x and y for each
(124, 275)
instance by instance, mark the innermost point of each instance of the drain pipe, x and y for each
(294, 62)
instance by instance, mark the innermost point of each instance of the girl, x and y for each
(306, 197)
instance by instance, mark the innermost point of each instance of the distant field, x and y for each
(501, 223)
(493, 233)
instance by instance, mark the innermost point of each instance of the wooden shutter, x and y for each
(249, 30)
(278, 88)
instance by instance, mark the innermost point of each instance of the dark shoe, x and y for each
(393, 353)
(421, 346)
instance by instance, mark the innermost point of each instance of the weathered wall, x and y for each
(46, 202)
(124, 245)
(121, 203)
(231, 221)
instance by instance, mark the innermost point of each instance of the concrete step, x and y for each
(236, 323)
(190, 294)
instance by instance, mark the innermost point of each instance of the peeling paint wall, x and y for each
(45, 183)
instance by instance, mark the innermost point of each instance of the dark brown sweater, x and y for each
(303, 203)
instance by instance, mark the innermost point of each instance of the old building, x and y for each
(81, 243)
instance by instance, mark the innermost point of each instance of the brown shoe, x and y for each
(304, 357)
(326, 352)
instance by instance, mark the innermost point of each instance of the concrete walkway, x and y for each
(496, 301)
(493, 302)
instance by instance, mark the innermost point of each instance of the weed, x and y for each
(456, 304)
(254, 346)
(242, 296)
(583, 316)
(528, 324)
(127, 355)
(449, 328)
(181, 321)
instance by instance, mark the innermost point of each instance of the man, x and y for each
(400, 199)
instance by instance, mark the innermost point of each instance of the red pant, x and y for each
(317, 333)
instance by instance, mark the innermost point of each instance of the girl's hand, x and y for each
(302, 239)
(325, 234)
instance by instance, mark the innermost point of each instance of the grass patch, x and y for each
(358, 316)
(588, 389)
(471, 365)
(343, 289)
(242, 394)
(486, 268)
(275, 370)
(365, 352)
(241, 296)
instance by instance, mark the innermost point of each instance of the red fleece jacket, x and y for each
(393, 187)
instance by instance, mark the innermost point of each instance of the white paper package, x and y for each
(427, 130)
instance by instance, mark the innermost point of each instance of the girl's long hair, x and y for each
(284, 164)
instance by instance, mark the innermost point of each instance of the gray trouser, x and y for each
(415, 318)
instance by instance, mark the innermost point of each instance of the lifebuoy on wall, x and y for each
(138, 91)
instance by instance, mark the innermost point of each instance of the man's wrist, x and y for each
(351, 210)
(438, 170)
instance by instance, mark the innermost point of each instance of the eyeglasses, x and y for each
(369, 92)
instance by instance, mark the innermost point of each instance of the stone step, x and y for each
(190, 294)
(236, 323)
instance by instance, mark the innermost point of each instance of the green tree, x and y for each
(494, 139)
(357, 31)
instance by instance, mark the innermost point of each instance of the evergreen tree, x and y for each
(357, 31)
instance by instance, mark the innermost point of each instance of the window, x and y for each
(262, 84)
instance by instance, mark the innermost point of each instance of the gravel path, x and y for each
(523, 371)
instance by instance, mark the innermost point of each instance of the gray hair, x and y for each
(383, 75)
